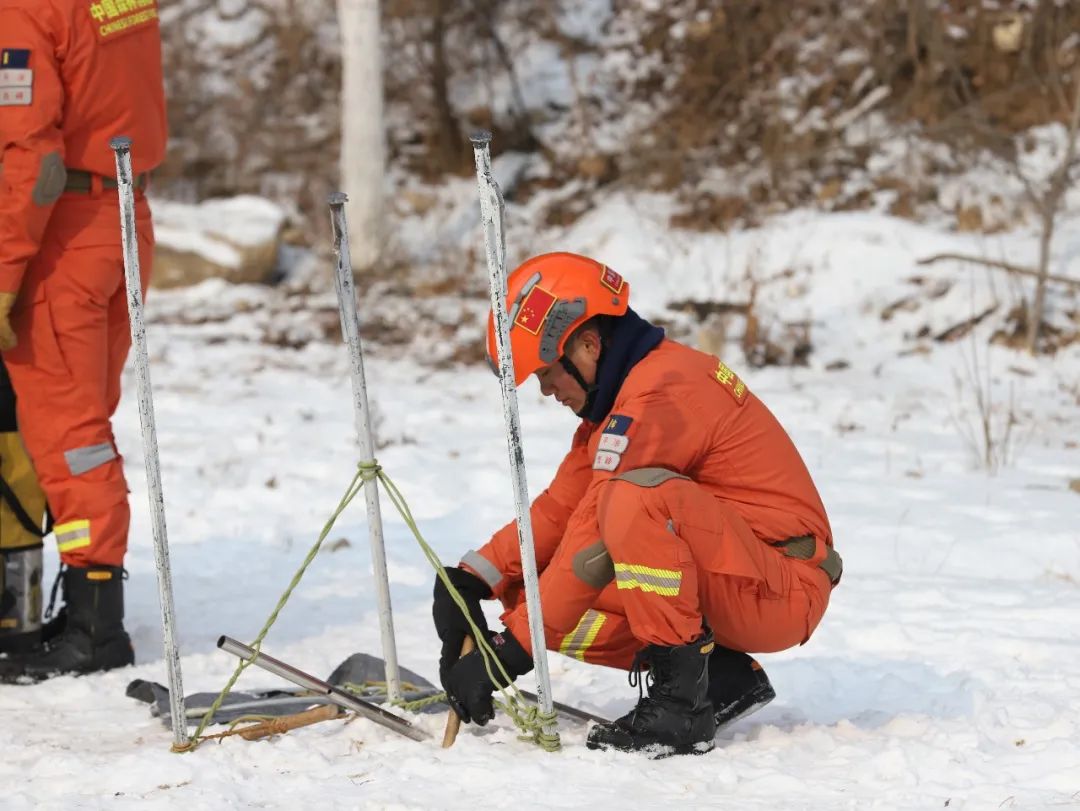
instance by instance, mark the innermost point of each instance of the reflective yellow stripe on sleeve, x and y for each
(584, 634)
(664, 582)
(72, 535)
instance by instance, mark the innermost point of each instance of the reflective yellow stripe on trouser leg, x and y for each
(72, 535)
(584, 634)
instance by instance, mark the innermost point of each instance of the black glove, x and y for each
(468, 685)
(450, 623)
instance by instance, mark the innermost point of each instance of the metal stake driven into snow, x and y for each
(491, 214)
(122, 147)
(350, 331)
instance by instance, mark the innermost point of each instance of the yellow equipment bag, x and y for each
(23, 524)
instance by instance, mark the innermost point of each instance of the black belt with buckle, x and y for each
(79, 180)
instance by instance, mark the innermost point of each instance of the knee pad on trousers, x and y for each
(593, 565)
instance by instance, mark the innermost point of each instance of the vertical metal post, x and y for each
(491, 212)
(122, 147)
(350, 331)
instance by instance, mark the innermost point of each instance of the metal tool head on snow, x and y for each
(333, 694)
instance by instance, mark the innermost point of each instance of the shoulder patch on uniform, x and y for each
(731, 382)
(14, 58)
(16, 83)
(617, 424)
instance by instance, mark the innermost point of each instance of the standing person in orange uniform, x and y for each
(73, 74)
(681, 530)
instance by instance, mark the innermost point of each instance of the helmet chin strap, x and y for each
(589, 389)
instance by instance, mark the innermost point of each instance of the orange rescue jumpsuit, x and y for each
(73, 74)
(667, 514)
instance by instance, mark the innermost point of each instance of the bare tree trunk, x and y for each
(1050, 205)
(363, 149)
(449, 147)
(914, 12)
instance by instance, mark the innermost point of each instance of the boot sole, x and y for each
(734, 712)
(655, 751)
(26, 679)
(662, 752)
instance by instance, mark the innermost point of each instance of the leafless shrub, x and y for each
(766, 340)
(1049, 203)
(986, 424)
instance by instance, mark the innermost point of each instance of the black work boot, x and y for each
(675, 718)
(93, 638)
(738, 686)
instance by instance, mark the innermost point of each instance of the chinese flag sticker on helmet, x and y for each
(534, 310)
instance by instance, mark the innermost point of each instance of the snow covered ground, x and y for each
(946, 672)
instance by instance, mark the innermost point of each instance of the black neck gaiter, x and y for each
(631, 339)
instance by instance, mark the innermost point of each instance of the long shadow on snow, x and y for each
(868, 692)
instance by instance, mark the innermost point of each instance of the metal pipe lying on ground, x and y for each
(372, 712)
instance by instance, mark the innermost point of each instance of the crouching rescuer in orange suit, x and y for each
(73, 74)
(681, 531)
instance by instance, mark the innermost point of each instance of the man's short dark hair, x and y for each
(603, 324)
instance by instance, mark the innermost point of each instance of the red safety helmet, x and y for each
(548, 297)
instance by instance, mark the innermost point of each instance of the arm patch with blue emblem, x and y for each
(16, 78)
(613, 442)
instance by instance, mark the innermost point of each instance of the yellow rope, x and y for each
(526, 717)
(366, 689)
(365, 473)
(244, 719)
(234, 729)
